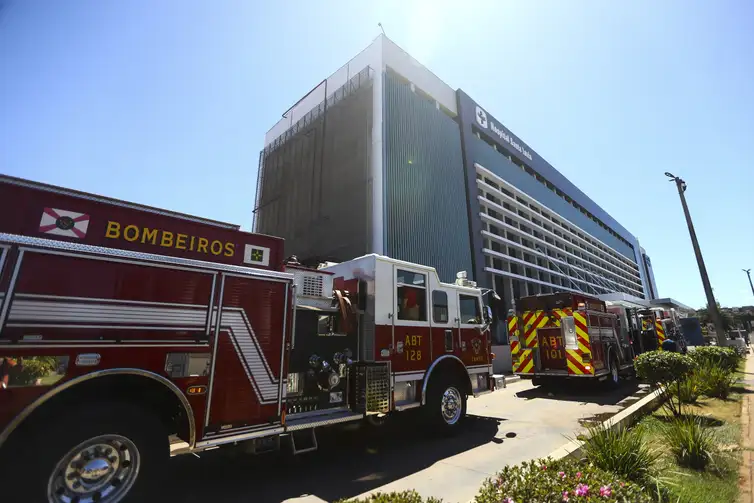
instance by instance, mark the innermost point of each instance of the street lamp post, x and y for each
(748, 273)
(711, 304)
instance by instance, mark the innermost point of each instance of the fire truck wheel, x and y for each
(613, 378)
(446, 405)
(111, 453)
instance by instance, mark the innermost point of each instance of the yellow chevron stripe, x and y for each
(572, 369)
(545, 319)
(515, 347)
(523, 356)
(531, 340)
(529, 368)
(579, 358)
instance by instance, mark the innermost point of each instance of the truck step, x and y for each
(303, 441)
(307, 420)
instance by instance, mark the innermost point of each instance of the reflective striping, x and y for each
(576, 365)
(660, 331)
(248, 351)
(525, 362)
(53, 311)
(540, 319)
(556, 315)
(582, 337)
(154, 316)
(513, 335)
(514, 347)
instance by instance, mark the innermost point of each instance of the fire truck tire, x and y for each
(613, 376)
(110, 453)
(446, 405)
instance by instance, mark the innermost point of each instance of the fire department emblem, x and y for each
(64, 223)
(476, 345)
(256, 255)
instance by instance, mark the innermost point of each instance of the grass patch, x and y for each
(718, 483)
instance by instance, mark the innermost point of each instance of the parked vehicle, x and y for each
(122, 324)
(566, 335)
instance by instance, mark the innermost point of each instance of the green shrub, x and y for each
(663, 367)
(723, 357)
(690, 441)
(548, 480)
(31, 368)
(620, 451)
(394, 497)
(665, 371)
(717, 382)
(689, 390)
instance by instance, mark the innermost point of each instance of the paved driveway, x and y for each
(509, 426)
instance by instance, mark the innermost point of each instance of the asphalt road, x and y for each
(518, 423)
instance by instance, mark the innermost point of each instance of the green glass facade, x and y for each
(426, 220)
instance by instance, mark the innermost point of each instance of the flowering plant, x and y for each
(556, 481)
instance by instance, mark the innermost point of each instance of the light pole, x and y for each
(711, 304)
(748, 273)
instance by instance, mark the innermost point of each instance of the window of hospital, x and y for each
(411, 296)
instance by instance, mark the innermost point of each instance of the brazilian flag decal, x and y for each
(256, 255)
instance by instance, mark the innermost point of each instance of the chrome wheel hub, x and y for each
(614, 373)
(101, 469)
(451, 405)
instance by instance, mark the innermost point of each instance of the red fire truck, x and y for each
(568, 335)
(123, 326)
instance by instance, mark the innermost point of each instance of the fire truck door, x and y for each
(248, 361)
(411, 326)
(600, 335)
(473, 344)
(622, 331)
(444, 324)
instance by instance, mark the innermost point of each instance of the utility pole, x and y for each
(748, 273)
(711, 304)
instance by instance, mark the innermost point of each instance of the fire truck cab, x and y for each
(567, 335)
(429, 340)
(123, 326)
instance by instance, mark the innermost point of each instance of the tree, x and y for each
(725, 313)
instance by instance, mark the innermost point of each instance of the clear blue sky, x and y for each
(167, 102)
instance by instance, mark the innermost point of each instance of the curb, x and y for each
(746, 470)
(511, 379)
(624, 418)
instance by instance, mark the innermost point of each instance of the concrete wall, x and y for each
(502, 364)
(382, 51)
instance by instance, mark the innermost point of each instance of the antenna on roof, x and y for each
(381, 28)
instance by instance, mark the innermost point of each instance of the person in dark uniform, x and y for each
(9, 367)
(669, 345)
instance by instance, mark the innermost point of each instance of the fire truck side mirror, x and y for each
(488, 314)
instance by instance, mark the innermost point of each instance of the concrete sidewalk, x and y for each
(747, 435)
